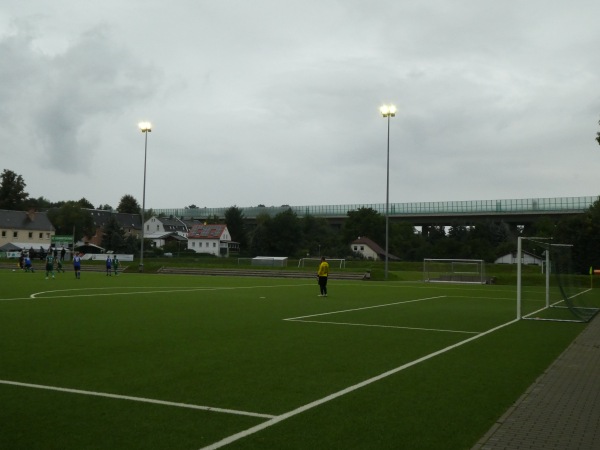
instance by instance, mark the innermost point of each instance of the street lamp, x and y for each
(388, 111)
(145, 127)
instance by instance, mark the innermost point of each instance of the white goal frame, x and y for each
(302, 262)
(547, 242)
(469, 271)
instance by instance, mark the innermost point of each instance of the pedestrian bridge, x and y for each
(413, 212)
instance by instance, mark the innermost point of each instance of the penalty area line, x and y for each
(366, 307)
(308, 406)
(137, 399)
(441, 330)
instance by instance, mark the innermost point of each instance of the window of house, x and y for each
(47, 235)
(157, 227)
(214, 244)
(193, 244)
(362, 247)
(41, 235)
(3, 233)
(30, 235)
(15, 234)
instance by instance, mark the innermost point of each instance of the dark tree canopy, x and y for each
(12, 191)
(234, 218)
(364, 222)
(129, 204)
(71, 216)
(85, 203)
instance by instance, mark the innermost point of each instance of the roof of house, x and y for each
(165, 235)
(172, 224)
(126, 220)
(373, 246)
(202, 231)
(25, 220)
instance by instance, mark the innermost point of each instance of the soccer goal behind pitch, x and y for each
(314, 262)
(560, 294)
(454, 271)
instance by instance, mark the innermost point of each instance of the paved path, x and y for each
(561, 410)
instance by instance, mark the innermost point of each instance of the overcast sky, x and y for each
(277, 102)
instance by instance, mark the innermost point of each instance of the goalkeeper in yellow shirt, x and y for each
(322, 274)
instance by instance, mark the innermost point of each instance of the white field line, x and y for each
(366, 307)
(301, 409)
(137, 399)
(301, 319)
(383, 326)
(526, 316)
(37, 295)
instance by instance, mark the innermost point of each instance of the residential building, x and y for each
(25, 230)
(213, 239)
(370, 250)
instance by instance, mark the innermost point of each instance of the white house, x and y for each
(528, 258)
(369, 249)
(213, 239)
(164, 225)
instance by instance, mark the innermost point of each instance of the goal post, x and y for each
(559, 293)
(314, 262)
(454, 271)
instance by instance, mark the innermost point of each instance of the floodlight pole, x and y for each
(145, 128)
(388, 111)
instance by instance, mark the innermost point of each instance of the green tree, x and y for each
(12, 191)
(364, 222)
(598, 135)
(259, 238)
(39, 203)
(405, 242)
(129, 204)
(106, 207)
(85, 203)
(320, 239)
(71, 216)
(114, 236)
(285, 234)
(234, 218)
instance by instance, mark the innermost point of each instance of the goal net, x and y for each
(454, 271)
(314, 262)
(559, 292)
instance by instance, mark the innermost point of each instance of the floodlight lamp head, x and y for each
(388, 110)
(145, 127)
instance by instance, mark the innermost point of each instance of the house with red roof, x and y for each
(214, 239)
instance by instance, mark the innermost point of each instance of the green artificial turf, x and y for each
(229, 343)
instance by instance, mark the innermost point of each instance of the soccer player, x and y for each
(49, 265)
(108, 266)
(115, 264)
(59, 266)
(77, 265)
(323, 273)
(28, 266)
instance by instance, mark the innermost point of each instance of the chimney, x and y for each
(31, 215)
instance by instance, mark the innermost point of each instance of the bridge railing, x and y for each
(541, 205)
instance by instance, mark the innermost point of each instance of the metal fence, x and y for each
(540, 205)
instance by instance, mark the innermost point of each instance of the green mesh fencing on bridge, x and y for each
(539, 205)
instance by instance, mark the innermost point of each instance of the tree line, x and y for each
(286, 234)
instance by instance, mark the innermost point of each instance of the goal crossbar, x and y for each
(454, 271)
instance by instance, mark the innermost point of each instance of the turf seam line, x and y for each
(137, 399)
(301, 409)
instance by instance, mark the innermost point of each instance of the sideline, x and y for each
(301, 409)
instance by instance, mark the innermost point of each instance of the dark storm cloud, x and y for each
(57, 98)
